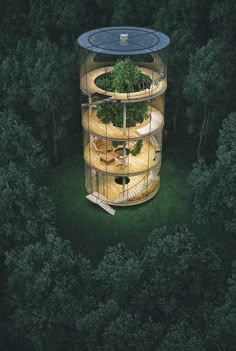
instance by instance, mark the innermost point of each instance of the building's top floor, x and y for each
(123, 41)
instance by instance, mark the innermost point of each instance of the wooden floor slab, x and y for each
(111, 190)
(157, 87)
(93, 124)
(145, 160)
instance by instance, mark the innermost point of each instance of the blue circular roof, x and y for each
(108, 41)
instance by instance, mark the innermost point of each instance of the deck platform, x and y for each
(157, 87)
(146, 159)
(113, 192)
(94, 125)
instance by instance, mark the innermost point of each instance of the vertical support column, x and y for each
(124, 155)
(124, 119)
(97, 182)
(123, 185)
(124, 132)
(90, 106)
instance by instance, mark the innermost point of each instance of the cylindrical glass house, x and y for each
(123, 74)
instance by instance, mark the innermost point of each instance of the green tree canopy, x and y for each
(27, 210)
(48, 79)
(126, 75)
(151, 299)
(222, 326)
(18, 145)
(213, 187)
(50, 288)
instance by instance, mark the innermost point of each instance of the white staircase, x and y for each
(139, 189)
(158, 159)
(155, 173)
(159, 138)
(94, 197)
(106, 207)
(155, 143)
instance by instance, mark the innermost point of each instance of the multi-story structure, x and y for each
(123, 74)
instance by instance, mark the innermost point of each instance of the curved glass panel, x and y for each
(123, 75)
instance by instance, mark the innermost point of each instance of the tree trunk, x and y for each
(175, 118)
(205, 135)
(55, 137)
(201, 132)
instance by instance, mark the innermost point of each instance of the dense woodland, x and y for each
(179, 291)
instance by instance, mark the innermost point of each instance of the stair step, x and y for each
(106, 207)
(156, 170)
(137, 191)
(94, 198)
(155, 143)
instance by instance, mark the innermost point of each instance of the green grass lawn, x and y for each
(91, 229)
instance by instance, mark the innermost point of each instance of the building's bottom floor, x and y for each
(123, 190)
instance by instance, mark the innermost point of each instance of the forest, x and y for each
(73, 278)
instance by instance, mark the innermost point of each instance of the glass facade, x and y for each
(123, 75)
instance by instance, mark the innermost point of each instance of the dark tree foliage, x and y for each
(221, 332)
(48, 83)
(213, 187)
(18, 146)
(194, 27)
(171, 295)
(27, 210)
(206, 88)
(50, 288)
(190, 25)
(186, 22)
(157, 298)
(15, 90)
(132, 12)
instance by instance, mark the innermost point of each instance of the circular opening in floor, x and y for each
(105, 82)
(119, 151)
(120, 180)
